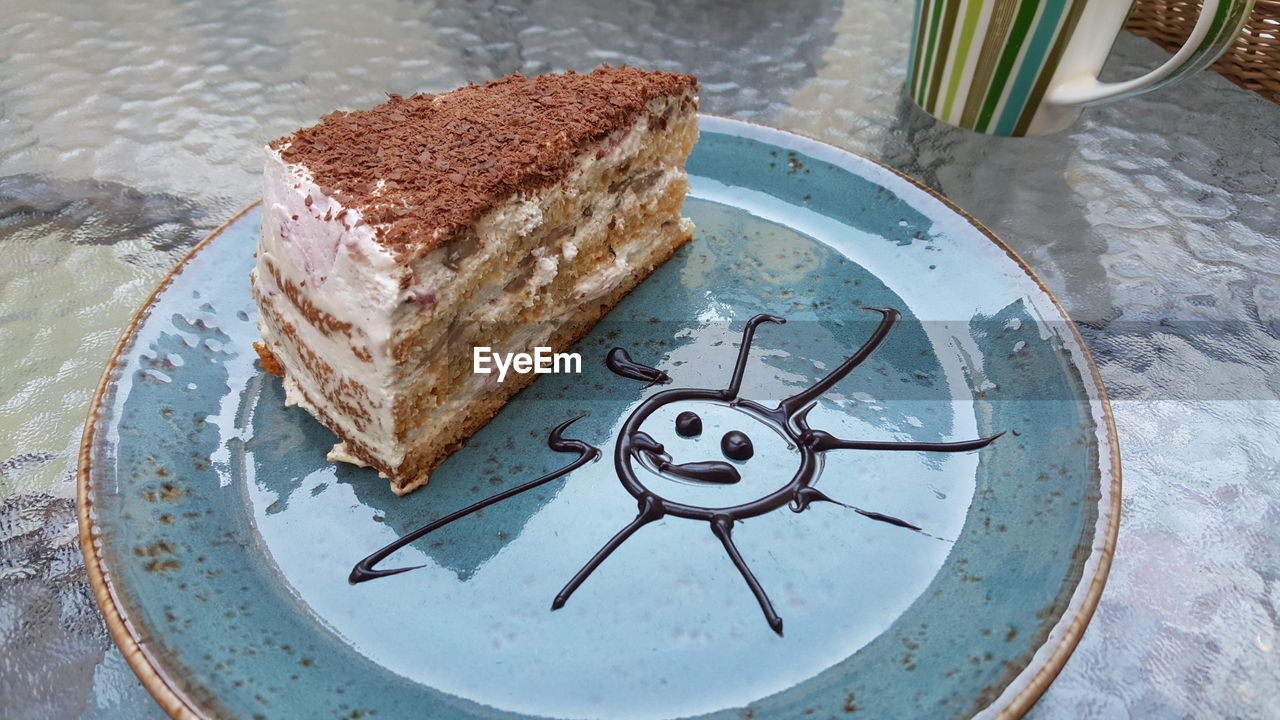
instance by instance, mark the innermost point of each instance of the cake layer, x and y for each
(556, 227)
(374, 334)
(429, 449)
(630, 253)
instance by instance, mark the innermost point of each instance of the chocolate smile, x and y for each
(651, 454)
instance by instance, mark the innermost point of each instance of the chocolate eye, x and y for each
(688, 424)
(736, 445)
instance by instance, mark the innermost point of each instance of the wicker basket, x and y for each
(1254, 62)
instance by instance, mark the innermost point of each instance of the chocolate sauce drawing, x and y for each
(636, 447)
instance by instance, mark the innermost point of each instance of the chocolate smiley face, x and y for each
(696, 454)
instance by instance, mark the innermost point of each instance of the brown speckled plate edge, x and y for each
(132, 646)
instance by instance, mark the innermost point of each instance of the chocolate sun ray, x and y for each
(620, 362)
(722, 527)
(636, 447)
(365, 570)
(822, 440)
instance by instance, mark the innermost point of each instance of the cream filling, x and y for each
(609, 277)
(498, 305)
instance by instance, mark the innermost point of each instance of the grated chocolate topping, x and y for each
(447, 159)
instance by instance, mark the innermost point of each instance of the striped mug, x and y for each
(1026, 67)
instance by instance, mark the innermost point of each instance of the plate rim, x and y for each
(1015, 699)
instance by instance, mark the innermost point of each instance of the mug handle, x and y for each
(1214, 32)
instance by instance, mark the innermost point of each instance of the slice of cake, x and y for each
(508, 215)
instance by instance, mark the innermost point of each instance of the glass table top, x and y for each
(129, 132)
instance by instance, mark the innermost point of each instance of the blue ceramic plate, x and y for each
(939, 584)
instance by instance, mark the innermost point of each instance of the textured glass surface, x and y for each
(129, 131)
